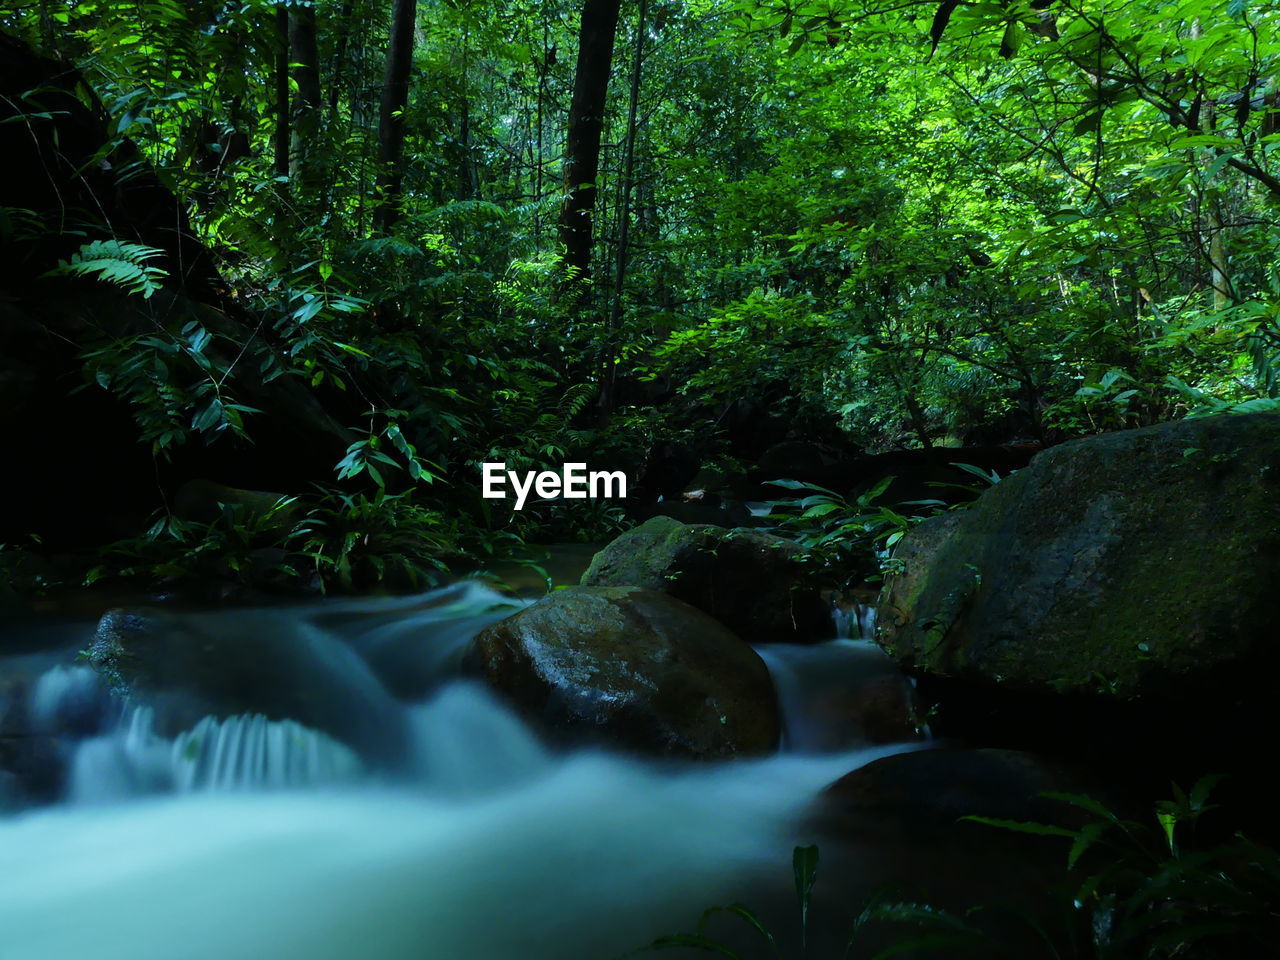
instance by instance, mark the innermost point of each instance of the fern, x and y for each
(118, 262)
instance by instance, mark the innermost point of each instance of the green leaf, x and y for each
(804, 865)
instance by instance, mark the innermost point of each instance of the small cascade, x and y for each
(466, 743)
(414, 644)
(67, 699)
(838, 695)
(854, 621)
(250, 752)
(247, 752)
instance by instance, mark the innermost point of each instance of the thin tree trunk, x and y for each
(283, 134)
(345, 26)
(582, 150)
(304, 56)
(395, 97)
(608, 380)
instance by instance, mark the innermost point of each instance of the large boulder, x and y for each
(1134, 565)
(752, 582)
(631, 668)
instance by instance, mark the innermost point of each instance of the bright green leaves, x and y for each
(128, 265)
(369, 455)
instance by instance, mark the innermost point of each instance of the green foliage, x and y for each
(842, 534)
(174, 382)
(357, 541)
(1140, 891)
(892, 223)
(124, 264)
(335, 542)
(1149, 890)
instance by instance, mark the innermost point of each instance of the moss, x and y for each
(1119, 565)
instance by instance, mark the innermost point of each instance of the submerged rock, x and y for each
(258, 661)
(1136, 564)
(894, 830)
(633, 668)
(752, 582)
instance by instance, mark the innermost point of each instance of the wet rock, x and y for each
(894, 829)
(840, 696)
(752, 582)
(246, 661)
(1138, 564)
(631, 668)
(885, 710)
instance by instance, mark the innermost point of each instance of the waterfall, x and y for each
(465, 743)
(854, 621)
(244, 752)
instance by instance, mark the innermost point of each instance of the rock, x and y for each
(711, 512)
(247, 661)
(206, 501)
(752, 582)
(896, 825)
(931, 790)
(1138, 564)
(632, 668)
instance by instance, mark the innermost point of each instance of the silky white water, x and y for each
(589, 861)
(242, 838)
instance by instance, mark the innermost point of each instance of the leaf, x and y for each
(742, 912)
(1216, 167)
(804, 864)
(940, 20)
(1203, 787)
(1011, 42)
(1089, 123)
(685, 940)
(1022, 826)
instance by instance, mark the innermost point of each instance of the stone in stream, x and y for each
(895, 829)
(752, 582)
(631, 668)
(253, 661)
(1136, 564)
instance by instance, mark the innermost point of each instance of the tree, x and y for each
(395, 98)
(598, 27)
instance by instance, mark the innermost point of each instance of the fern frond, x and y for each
(116, 261)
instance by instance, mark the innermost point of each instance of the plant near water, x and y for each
(1140, 890)
(804, 866)
(1149, 890)
(243, 544)
(359, 541)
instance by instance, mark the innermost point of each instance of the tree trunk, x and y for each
(609, 373)
(345, 25)
(304, 57)
(395, 97)
(283, 134)
(582, 149)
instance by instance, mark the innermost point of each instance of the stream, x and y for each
(427, 822)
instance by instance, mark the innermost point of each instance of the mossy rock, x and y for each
(1133, 564)
(631, 668)
(228, 662)
(754, 583)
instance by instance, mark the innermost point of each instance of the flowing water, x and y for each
(243, 838)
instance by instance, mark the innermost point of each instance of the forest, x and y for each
(917, 363)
